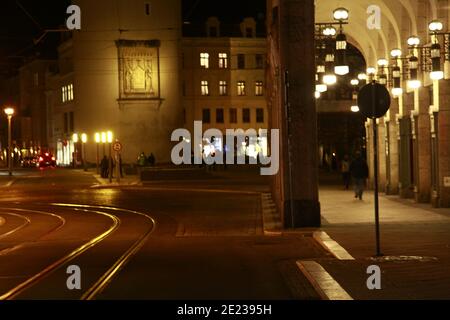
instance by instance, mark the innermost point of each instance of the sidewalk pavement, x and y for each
(5, 179)
(415, 242)
(126, 180)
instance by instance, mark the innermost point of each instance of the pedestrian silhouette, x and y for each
(360, 172)
(104, 167)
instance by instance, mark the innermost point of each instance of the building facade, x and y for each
(119, 73)
(224, 79)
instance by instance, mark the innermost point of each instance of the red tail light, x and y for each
(46, 154)
(53, 159)
(41, 159)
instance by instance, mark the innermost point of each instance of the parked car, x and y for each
(29, 162)
(47, 160)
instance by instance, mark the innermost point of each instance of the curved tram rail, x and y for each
(107, 277)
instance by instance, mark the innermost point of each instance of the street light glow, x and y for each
(84, 137)
(75, 138)
(354, 109)
(382, 62)
(395, 53)
(109, 134)
(103, 137)
(435, 26)
(9, 111)
(413, 41)
(371, 70)
(97, 137)
(340, 14)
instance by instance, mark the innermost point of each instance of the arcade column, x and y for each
(443, 145)
(293, 58)
(420, 131)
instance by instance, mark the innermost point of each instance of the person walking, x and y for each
(104, 167)
(359, 172)
(345, 170)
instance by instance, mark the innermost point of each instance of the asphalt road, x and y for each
(199, 239)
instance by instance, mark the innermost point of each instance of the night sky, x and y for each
(23, 21)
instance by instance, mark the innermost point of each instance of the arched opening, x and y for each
(341, 131)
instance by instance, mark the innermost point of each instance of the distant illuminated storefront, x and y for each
(64, 152)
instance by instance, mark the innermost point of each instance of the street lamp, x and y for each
(413, 82)
(97, 141)
(103, 142)
(436, 72)
(340, 14)
(75, 156)
(9, 113)
(83, 149)
(109, 136)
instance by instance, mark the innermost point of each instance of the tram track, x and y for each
(112, 271)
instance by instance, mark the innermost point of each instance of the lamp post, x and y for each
(103, 135)
(83, 149)
(97, 141)
(75, 156)
(109, 136)
(9, 113)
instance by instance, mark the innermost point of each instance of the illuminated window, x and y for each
(241, 88)
(219, 115)
(223, 60)
(258, 88)
(223, 88)
(260, 115)
(206, 116)
(233, 115)
(67, 93)
(205, 88)
(246, 115)
(64, 94)
(204, 60)
(70, 92)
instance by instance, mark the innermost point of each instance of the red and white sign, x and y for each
(117, 146)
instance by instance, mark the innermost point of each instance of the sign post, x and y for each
(374, 101)
(117, 147)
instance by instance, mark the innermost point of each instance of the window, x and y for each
(64, 94)
(241, 88)
(246, 115)
(260, 115)
(204, 60)
(205, 88)
(219, 115)
(67, 93)
(259, 58)
(241, 61)
(71, 122)
(206, 116)
(233, 115)
(223, 88)
(148, 9)
(223, 60)
(70, 92)
(258, 88)
(66, 123)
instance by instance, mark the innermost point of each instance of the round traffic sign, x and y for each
(374, 100)
(117, 146)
